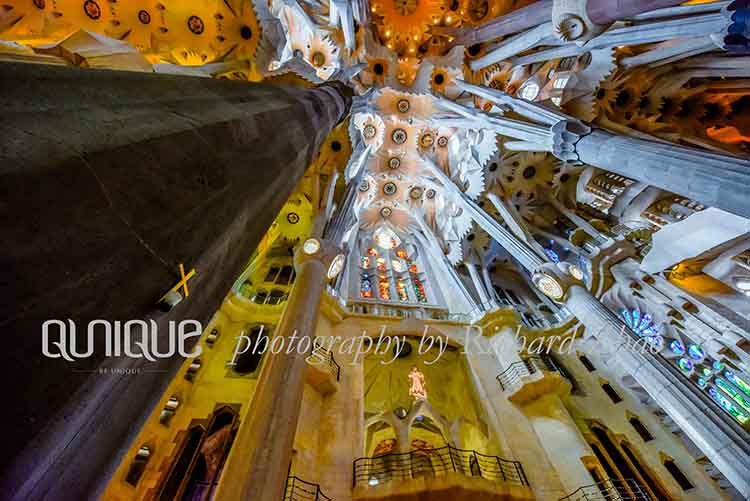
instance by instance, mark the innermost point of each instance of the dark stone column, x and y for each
(109, 180)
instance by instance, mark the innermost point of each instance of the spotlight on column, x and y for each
(169, 301)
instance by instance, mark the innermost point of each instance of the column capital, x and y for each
(572, 23)
(555, 279)
(320, 250)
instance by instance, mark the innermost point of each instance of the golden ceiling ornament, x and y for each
(404, 23)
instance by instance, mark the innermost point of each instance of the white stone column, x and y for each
(478, 285)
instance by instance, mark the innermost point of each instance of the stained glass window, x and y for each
(738, 381)
(365, 286)
(372, 252)
(696, 352)
(642, 324)
(727, 405)
(413, 267)
(732, 392)
(401, 253)
(381, 264)
(686, 365)
(677, 347)
(419, 290)
(384, 288)
(401, 289)
(552, 255)
(398, 265)
(366, 262)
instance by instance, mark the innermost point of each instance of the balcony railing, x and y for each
(324, 358)
(609, 490)
(436, 462)
(511, 376)
(299, 490)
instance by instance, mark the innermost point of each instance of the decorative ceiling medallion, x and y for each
(364, 186)
(442, 141)
(311, 246)
(405, 7)
(403, 105)
(416, 193)
(394, 162)
(318, 59)
(399, 136)
(427, 140)
(386, 212)
(369, 131)
(292, 217)
(390, 188)
(430, 194)
(144, 17)
(548, 285)
(92, 9)
(195, 25)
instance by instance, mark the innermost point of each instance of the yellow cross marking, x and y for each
(183, 283)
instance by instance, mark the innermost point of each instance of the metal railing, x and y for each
(321, 356)
(609, 490)
(436, 462)
(511, 376)
(299, 490)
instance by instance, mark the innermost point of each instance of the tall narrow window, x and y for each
(249, 359)
(285, 276)
(587, 363)
(641, 429)
(403, 295)
(419, 290)
(611, 393)
(643, 472)
(677, 474)
(271, 275)
(384, 287)
(365, 286)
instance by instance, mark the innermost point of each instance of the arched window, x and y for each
(643, 472)
(260, 297)
(195, 469)
(286, 276)
(248, 361)
(271, 275)
(587, 363)
(641, 429)
(276, 297)
(677, 474)
(611, 393)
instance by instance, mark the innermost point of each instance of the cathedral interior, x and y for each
(491, 249)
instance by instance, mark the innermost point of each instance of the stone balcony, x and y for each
(531, 378)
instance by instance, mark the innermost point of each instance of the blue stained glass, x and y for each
(645, 321)
(738, 381)
(701, 382)
(696, 352)
(636, 320)
(727, 405)
(706, 372)
(552, 255)
(718, 365)
(686, 365)
(677, 347)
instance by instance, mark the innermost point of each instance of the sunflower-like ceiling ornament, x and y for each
(294, 222)
(403, 23)
(371, 127)
(404, 105)
(528, 172)
(34, 22)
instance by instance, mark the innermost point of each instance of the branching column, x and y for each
(109, 181)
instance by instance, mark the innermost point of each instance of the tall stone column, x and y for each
(110, 180)
(478, 285)
(713, 179)
(722, 440)
(258, 464)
